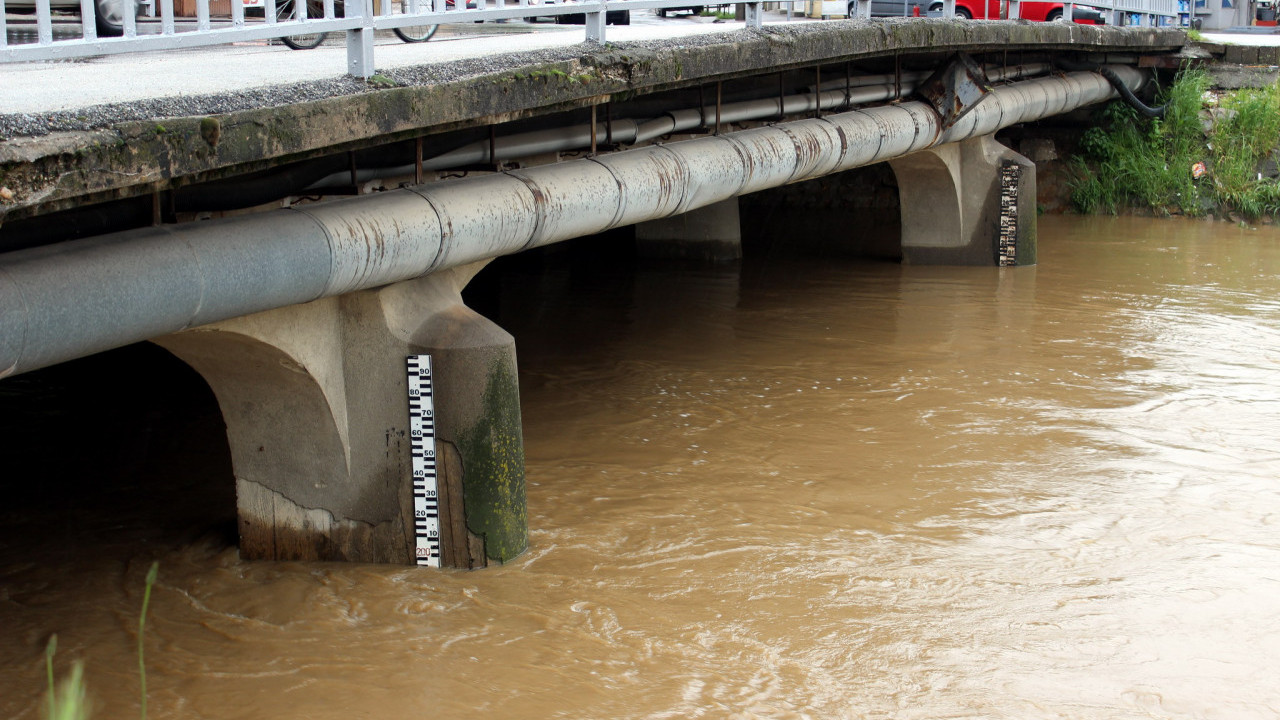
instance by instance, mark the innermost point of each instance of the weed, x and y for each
(142, 627)
(68, 701)
(49, 651)
(1156, 165)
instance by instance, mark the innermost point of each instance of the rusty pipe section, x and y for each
(73, 299)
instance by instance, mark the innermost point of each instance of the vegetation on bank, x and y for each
(1209, 154)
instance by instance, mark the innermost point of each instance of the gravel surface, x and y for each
(97, 117)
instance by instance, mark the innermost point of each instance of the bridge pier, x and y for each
(315, 401)
(971, 202)
(710, 234)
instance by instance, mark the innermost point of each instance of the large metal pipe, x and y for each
(832, 94)
(72, 299)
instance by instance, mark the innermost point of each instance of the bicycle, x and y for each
(287, 10)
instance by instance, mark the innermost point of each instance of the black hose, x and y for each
(1125, 93)
(1131, 99)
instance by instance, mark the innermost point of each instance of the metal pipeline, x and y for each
(72, 299)
(1125, 93)
(861, 90)
(577, 137)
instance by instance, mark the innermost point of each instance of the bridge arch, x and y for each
(273, 399)
(114, 452)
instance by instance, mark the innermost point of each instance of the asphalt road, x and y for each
(67, 85)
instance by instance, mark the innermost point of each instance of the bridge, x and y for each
(296, 254)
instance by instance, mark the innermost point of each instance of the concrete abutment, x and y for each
(971, 202)
(709, 234)
(314, 397)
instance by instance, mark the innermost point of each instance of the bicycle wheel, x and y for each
(415, 33)
(287, 11)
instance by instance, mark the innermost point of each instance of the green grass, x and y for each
(142, 629)
(1131, 162)
(68, 700)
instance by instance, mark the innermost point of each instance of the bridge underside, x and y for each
(314, 395)
(300, 320)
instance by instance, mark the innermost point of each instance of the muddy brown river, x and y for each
(808, 487)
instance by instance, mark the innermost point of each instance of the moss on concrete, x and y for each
(493, 461)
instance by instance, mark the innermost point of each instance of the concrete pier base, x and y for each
(315, 401)
(710, 234)
(967, 203)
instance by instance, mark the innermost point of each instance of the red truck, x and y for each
(979, 10)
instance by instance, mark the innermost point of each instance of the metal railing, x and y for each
(1149, 9)
(358, 19)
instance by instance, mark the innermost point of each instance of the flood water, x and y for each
(809, 487)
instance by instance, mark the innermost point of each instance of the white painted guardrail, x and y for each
(358, 19)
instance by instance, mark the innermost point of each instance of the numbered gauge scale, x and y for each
(422, 444)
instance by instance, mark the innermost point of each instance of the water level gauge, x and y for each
(422, 446)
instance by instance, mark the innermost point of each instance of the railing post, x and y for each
(167, 23)
(595, 22)
(1015, 9)
(44, 22)
(1068, 12)
(755, 15)
(948, 9)
(131, 20)
(360, 40)
(88, 27)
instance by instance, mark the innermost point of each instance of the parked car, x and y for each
(108, 14)
(979, 10)
(890, 8)
(1034, 11)
(692, 10)
(611, 17)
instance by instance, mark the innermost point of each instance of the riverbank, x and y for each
(1212, 154)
